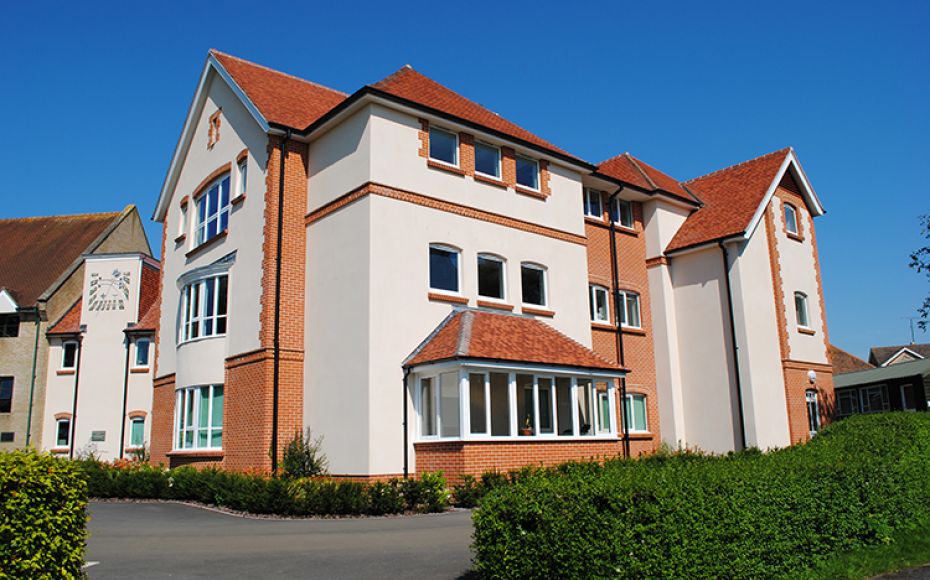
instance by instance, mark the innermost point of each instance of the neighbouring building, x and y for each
(882, 356)
(844, 362)
(896, 387)
(429, 286)
(42, 275)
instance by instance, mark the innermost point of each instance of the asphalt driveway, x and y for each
(164, 540)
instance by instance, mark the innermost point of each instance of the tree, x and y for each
(920, 261)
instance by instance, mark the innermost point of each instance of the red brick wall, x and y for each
(162, 419)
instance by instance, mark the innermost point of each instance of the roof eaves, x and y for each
(432, 335)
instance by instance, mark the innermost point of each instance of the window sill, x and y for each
(217, 453)
(603, 325)
(237, 200)
(65, 372)
(625, 230)
(530, 192)
(454, 299)
(490, 180)
(807, 331)
(139, 370)
(634, 331)
(795, 237)
(136, 449)
(593, 220)
(640, 435)
(444, 167)
(496, 305)
(538, 311)
(180, 238)
(60, 449)
(209, 243)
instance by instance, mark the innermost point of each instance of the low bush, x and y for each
(42, 516)
(685, 514)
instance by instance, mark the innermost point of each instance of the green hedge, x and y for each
(261, 494)
(748, 514)
(42, 516)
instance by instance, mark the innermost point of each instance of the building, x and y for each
(900, 386)
(429, 286)
(882, 356)
(99, 376)
(42, 271)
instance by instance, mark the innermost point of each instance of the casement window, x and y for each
(213, 210)
(592, 203)
(69, 354)
(527, 172)
(137, 431)
(204, 308)
(847, 402)
(443, 146)
(7, 437)
(874, 399)
(198, 418)
(63, 433)
(634, 413)
(791, 219)
(533, 284)
(800, 307)
(6, 394)
(444, 274)
(629, 316)
(142, 353)
(600, 303)
(491, 282)
(9, 325)
(908, 397)
(813, 411)
(488, 160)
(510, 404)
(621, 212)
(242, 171)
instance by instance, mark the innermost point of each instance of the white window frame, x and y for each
(64, 350)
(455, 149)
(58, 423)
(535, 162)
(791, 226)
(545, 284)
(132, 422)
(183, 220)
(593, 289)
(180, 430)
(200, 228)
(192, 314)
(458, 262)
(148, 353)
(626, 296)
(619, 220)
(629, 402)
(806, 310)
(813, 420)
(503, 263)
(590, 193)
(242, 172)
(500, 168)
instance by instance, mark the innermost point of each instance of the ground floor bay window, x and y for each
(486, 403)
(198, 418)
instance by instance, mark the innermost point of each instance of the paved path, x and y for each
(162, 540)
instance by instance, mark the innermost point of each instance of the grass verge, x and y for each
(907, 550)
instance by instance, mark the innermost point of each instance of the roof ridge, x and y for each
(76, 215)
(635, 162)
(468, 318)
(276, 71)
(741, 163)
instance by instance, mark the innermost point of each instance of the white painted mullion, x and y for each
(612, 408)
(464, 405)
(487, 404)
(512, 401)
(573, 395)
(536, 432)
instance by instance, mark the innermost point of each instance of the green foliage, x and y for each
(920, 261)
(303, 457)
(42, 516)
(686, 514)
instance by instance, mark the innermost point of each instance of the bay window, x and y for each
(213, 210)
(199, 417)
(204, 308)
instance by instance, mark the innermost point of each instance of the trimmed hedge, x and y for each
(261, 494)
(42, 516)
(747, 514)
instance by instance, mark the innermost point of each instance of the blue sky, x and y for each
(94, 95)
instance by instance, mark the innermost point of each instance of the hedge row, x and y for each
(262, 494)
(749, 514)
(42, 516)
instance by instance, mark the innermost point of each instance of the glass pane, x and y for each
(599, 304)
(443, 270)
(525, 411)
(563, 403)
(487, 160)
(202, 437)
(224, 192)
(211, 228)
(490, 278)
(632, 310)
(216, 438)
(222, 294)
(221, 325)
(527, 173)
(477, 404)
(64, 430)
(585, 407)
(217, 406)
(427, 408)
(546, 423)
(142, 353)
(70, 355)
(443, 146)
(603, 407)
(800, 305)
(639, 413)
(532, 281)
(204, 407)
(137, 433)
(224, 220)
(243, 176)
(791, 219)
(500, 404)
(449, 404)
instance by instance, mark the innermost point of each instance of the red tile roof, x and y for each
(412, 86)
(731, 197)
(478, 334)
(149, 304)
(70, 323)
(843, 362)
(629, 169)
(281, 98)
(37, 251)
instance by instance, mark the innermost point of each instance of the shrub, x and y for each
(684, 514)
(42, 516)
(427, 494)
(303, 456)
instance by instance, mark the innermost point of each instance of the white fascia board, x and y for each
(899, 353)
(477, 364)
(187, 132)
(809, 196)
(7, 304)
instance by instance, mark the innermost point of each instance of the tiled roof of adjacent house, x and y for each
(879, 355)
(731, 197)
(37, 251)
(628, 169)
(70, 323)
(843, 362)
(281, 98)
(479, 334)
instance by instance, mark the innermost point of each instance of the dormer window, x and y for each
(791, 219)
(592, 203)
(443, 146)
(528, 173)
(213, 210)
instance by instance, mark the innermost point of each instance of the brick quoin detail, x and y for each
(467, 153)
(777, 282)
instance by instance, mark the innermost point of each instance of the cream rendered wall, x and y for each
(705, 351)
(340, 160)
(139, 390)
(799, 274)
(762, 381)
(238, 131)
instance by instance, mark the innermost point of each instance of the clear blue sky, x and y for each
(93, 97)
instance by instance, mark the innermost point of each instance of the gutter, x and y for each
(32, 381)
(122, 427)
(276, 381)
(618, 332)
(406, 443)
(739, 387)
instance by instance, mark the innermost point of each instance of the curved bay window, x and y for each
(198, 417)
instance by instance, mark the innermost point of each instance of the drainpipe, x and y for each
(739, 387)
(32, 381)
(615, 272)
(77, 381)
(122, 428)
(277, 307)
(406, 452)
